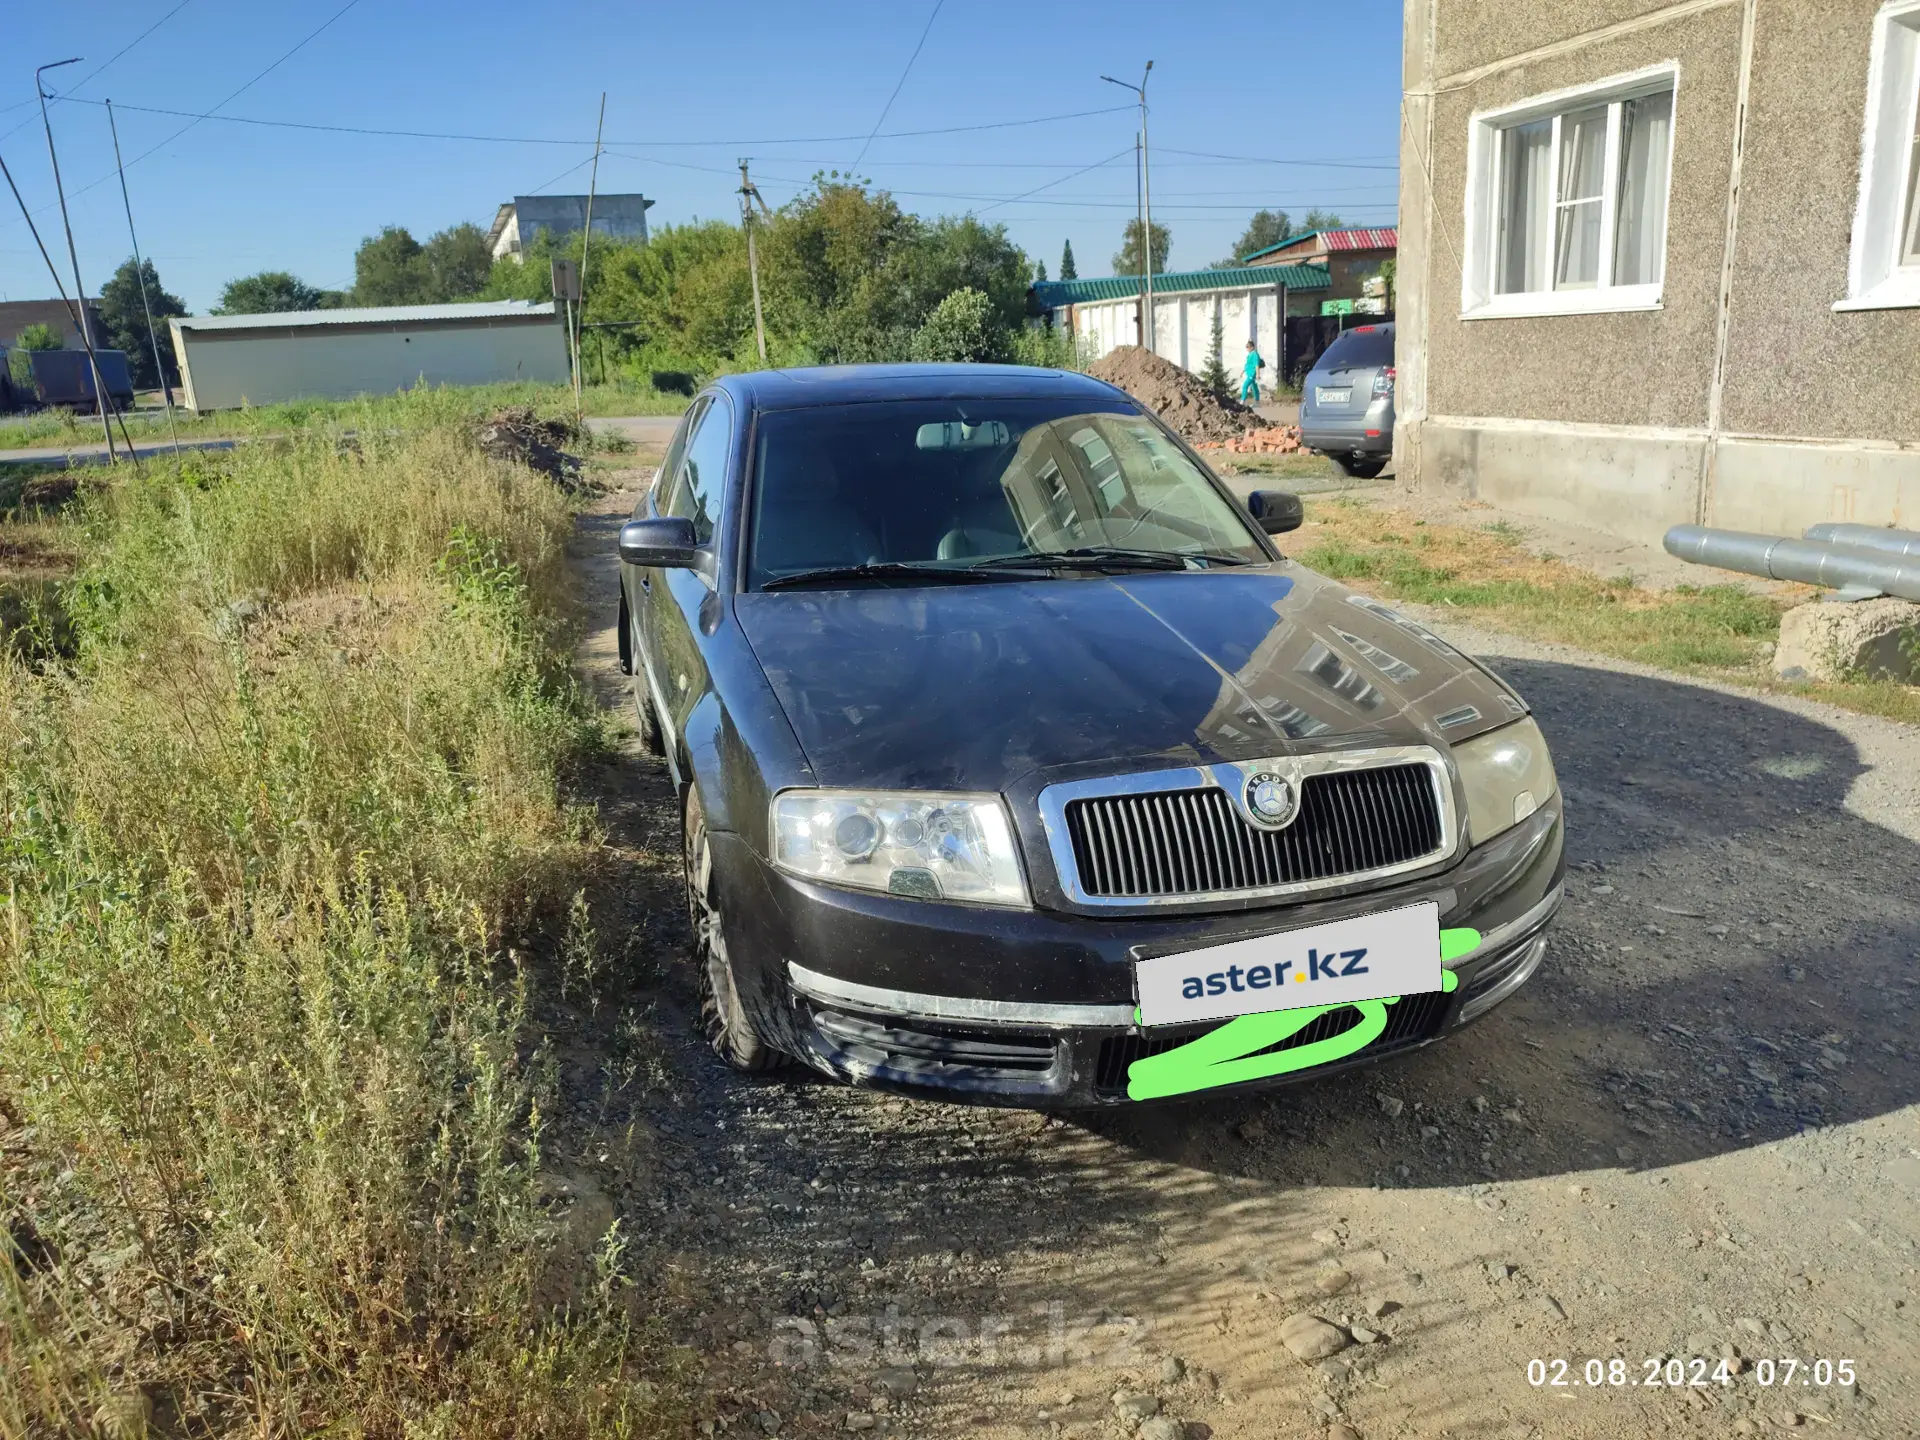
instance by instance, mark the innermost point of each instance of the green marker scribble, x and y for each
(1231, 1054)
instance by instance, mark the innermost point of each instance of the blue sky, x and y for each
(690, 88)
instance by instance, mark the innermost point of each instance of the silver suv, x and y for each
(1346, 401)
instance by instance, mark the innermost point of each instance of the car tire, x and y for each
(1358, 468)
(723, 1019)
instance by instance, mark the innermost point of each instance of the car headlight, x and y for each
(922, 843)
(1507, 774)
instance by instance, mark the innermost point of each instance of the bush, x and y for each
(962, 327)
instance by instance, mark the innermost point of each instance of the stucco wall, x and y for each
(1638, 368)
(225, 369)
(1611, 419)
(1112, 323)
(1796, 366)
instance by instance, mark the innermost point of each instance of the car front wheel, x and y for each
(722, 1017)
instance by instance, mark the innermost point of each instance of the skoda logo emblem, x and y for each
(1271, 800)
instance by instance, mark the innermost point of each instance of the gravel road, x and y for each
(1696, 1133)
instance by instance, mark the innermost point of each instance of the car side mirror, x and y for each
(666, 543)
(1275, 511)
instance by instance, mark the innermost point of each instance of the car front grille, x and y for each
(935, 1050)
(1193, 842)
(1411, 1020)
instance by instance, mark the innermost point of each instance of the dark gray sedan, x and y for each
(1018, 765)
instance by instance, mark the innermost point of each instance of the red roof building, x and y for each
(1352, 257)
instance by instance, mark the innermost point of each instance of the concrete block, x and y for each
(1876, 638)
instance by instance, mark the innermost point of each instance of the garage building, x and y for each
(227, 361)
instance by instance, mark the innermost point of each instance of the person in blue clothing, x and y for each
(1250, 385)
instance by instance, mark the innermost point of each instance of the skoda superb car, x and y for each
(1016, 763)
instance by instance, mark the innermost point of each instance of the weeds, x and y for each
(271, 1107)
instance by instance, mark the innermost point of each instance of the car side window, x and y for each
(696, 494)
(668, 475)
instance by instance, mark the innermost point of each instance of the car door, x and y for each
(685, 604)
(639, 586)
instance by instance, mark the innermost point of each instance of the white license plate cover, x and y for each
(1364, 957)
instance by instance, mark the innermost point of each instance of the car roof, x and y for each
(803, 387)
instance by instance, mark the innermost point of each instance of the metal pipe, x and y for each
(1807, 561)
(1868, 537)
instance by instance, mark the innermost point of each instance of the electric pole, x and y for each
(140, 273)
(748, 195)
(1152, 330)
(586, 239)
(83, 319)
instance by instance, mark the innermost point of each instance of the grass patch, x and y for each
(281, 836)
(1487, 575)
(61, 429)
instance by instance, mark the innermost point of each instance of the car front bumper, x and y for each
(1036, 1008)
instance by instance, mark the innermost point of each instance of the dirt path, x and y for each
(1699, 1128)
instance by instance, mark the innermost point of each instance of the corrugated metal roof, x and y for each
(1380, 237)
(1054, 293)
(373, 315)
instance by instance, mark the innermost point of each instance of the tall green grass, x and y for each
(271, 835)
(60, 428)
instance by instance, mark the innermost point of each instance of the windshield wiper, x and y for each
(1108, 557)
(876, 571)
(1086, 557)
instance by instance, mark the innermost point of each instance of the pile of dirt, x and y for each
(519, 435)
(1173, 394)
(1275, 440)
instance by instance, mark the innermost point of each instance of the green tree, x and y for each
(963, 327)
(1214, 374)
(391, 268)
(458, 263)
(1390, 272)
(34, 337)
(1039, 272)
(125, 319)
(1127, 262)
(39, 337)
(1067, 269)
(1266, 228)
(1322, 220)
(267, 293)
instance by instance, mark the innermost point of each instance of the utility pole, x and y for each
(1152, 331)
(586, 239)
(82, 318)
(140, 272)
(749, 194)
(1146, 257)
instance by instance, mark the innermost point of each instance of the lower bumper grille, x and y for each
(1414, 1019)
(946, 1048)
(1193, 842)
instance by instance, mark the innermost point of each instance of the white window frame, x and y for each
(1478, 301)
(1875, 278)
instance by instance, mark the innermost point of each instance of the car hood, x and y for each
(972, 686)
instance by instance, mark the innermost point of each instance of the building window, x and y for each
(1567, 200)
(1883, 267)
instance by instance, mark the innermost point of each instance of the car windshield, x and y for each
(955, 482)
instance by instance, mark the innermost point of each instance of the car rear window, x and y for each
(1368, 345)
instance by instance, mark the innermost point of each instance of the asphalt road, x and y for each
(1696, 1133)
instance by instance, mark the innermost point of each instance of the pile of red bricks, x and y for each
(1275, 440)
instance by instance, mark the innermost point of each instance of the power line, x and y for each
(198, 115)
(1038, 188)
(78, 84)
(1354, 164)
(887, 108)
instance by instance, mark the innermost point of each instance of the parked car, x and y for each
(1346, 401)
(1017, 765)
